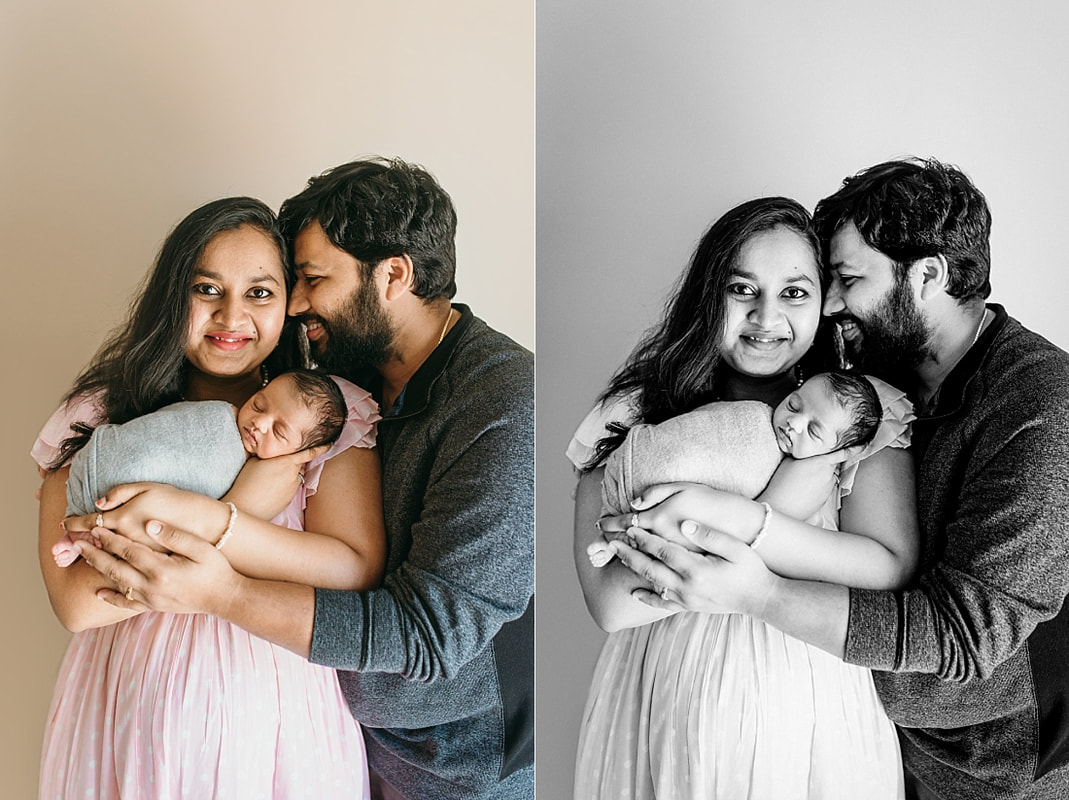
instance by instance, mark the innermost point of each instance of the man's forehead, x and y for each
(849, 249)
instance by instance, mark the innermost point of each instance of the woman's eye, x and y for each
(741, 289)
(205, 289)
(795, 293)
(260, 293)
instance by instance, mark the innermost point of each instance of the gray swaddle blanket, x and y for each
(726, 445)
(195, 446)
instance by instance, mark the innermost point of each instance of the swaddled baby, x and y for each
(200, 446)
(736, 446)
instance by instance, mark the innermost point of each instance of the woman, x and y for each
(158, 705)
(688, 705)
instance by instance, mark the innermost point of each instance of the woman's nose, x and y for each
(765, 313)
(230, 312)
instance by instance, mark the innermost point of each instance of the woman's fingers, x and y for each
(121, 494)
(120, 600)
(663, 600)
(656, 494)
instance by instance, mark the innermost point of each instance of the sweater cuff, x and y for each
(873, 616)
(338, 629)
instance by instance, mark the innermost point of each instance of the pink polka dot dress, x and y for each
(189, 706)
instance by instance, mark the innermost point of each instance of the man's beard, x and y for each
(895, 338)
(359, 336)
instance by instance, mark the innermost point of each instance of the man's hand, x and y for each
(725, 576)
(189, 576)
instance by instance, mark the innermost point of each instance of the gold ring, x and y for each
(634, 520)
(100, 520)
(129, 593)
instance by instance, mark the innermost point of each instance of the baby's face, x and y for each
(810, 420)
(275, 420)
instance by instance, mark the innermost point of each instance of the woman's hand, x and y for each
(662, 509)
(129, 508)
(713, 572)
(264, 487)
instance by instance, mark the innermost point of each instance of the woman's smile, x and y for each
(229, 341)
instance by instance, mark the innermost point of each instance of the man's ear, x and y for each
(934, 276)
(399, 275)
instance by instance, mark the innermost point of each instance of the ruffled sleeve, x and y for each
(359, 431)
(83, 408)
(894, 430)
(594, 427)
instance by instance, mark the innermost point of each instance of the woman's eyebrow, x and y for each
(215, 276)
(751, 276)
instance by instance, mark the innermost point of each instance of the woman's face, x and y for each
(772, 305)
(238, 303)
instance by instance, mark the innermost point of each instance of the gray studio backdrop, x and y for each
(654, 118)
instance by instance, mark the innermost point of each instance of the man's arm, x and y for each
(1003, 568)
(195, 577)
(470, 568)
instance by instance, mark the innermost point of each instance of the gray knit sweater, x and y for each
(438, 662)
(976, 667)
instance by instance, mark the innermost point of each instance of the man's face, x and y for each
(347, 327)
(871, 299)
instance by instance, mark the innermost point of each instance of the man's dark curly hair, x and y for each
(915, 209)
(382, 208)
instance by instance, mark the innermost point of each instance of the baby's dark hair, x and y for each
(858, 396)
(322, 394)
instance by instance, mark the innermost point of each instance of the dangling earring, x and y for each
(264, 377)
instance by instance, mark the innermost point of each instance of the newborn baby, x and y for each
(736, 446)
(201, 446)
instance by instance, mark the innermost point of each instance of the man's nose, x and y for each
(833, 301)
(298, 302)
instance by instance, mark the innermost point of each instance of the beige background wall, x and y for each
(655, 118)
(117, 118)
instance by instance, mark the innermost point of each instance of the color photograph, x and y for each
(148, 150)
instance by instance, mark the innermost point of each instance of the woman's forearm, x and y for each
(260, 549)
(607, 590)
(71, 590)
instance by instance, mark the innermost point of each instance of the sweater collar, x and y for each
(416, 393)
(951, 394)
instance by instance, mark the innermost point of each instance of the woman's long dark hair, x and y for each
(141, 366)
(674, 368)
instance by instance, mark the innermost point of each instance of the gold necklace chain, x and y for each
(448, 317)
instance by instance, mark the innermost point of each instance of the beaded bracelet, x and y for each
(229, 527)
(763, 530)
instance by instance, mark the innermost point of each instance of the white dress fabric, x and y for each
(724, 707)
(173, 706)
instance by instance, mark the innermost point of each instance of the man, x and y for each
(437, 663)
(971, 660)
